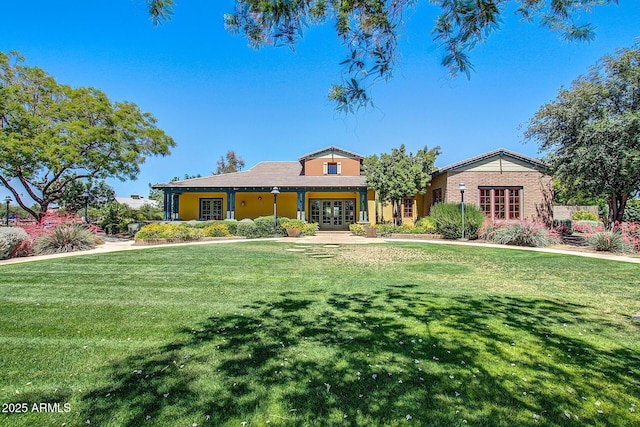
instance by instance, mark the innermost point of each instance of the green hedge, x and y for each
(448, 220)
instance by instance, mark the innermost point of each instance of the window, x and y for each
(514, 204)
(437, 195)
(332, 168)
(210, 209)
(501, 203)
(407, 208)
(499, 211)
(485, 201)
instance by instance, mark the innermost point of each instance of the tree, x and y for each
(73, 198)
(52, 135)
(369, 29)
(591, 131)
(400, 174)
(233, 163)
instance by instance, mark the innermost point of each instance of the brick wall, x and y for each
(537, 190)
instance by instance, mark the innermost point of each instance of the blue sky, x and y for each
(213, 93)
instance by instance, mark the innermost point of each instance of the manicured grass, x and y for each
(271, 334)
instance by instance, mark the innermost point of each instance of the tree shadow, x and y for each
(375, 359)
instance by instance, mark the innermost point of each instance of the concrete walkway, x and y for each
(321, 238)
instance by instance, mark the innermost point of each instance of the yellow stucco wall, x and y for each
(261, 204)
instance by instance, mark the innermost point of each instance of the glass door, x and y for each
(338, 213)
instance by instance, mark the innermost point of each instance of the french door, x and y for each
(333, 214)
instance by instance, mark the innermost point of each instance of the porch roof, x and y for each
(266, 175)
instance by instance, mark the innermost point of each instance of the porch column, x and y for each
(164, 205)
(168, 208)
(176, 206)
(364, 205)
(231, 204)
(301, 197)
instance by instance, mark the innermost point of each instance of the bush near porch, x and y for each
(260, 227)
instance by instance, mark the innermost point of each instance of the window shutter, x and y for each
(339, 167)
(325, 168)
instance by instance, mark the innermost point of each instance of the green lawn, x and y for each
(266, 333)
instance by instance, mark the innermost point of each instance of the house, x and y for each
(136, 201)
(324, 186)
(504, 184)
(327, 187)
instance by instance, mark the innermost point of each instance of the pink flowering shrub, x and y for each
(521, 233)
(630, 234)
(49, 223)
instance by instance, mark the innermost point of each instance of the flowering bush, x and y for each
(357, 229)
(10, 240)
(522, 233)
(630, 234)
(582, 215)
(50, 222)
(587, 227)
(310, 228)
(169, 231)
(216, 230)
(607, 241)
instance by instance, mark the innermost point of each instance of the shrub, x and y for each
(386, 229)
(169, 231)
(293, 224)
(582, 215)
(587, 227)
(427, 223)
(448, 220)
(10, 240)
(310, 228)
(357, 229)
(115, 217)
(248, 229)
(632, 211)
(563, 226)
(216, 230)
(523, 233)
(65, 238)
(264, 226)
(608, 241)
(232, 225)
(630, 232)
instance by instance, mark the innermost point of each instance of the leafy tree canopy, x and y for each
(591, 131)
(400, 174)
(369, 29)
(233, 163)
(98, 194)
(52, 135)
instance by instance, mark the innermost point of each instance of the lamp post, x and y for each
(275, 193)
(462, 187)
(8, 200)
(86, 195)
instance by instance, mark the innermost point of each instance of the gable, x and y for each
(499, 160)
(498, 164)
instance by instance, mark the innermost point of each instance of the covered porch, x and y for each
(331, 208)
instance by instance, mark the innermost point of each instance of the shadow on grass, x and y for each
(377, 359)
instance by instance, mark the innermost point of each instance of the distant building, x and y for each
(136, 201)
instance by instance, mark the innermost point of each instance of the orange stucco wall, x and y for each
(314, 167)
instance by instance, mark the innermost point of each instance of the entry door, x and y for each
(332, 214)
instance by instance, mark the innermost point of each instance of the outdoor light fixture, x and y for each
(8, 200)
(86, 196)
(242, 203)
(462, 187)
(275, 193)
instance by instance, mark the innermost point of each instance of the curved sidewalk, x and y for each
(337, 238)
